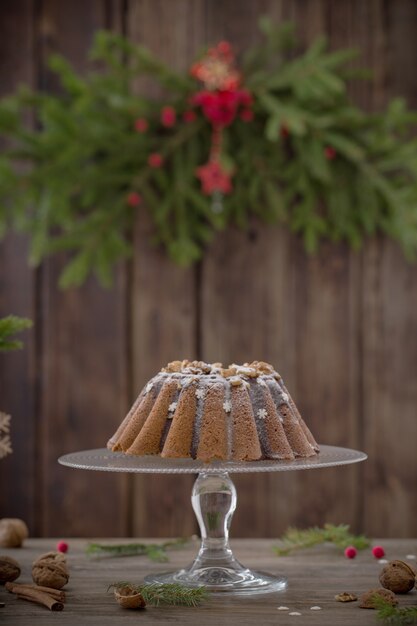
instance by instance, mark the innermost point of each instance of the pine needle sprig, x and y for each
(340, 536)
(393, 614)
(154, 551)
(174, 594)
(9, 326)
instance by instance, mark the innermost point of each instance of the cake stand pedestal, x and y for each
(214, 502)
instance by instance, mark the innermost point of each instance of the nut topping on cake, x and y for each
(247, 370)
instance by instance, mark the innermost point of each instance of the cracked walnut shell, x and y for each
(398, 576)
(9, 569)
(346, 597)
(367, 599)
(50, 570)
(129, 598)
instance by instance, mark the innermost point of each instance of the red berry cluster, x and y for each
(221, 107)
(221, 101)
(214, 178)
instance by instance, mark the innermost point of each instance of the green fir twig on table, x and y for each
(393, 614)
(156, 594)
(340, 536)
(154, 551)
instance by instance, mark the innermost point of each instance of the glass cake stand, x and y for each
(214, 501)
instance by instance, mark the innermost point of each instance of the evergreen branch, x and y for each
(393, 614)
(10, 326)
(295, 539)
(154, 551)
(309, 158)
(76, 271)
(156, 594)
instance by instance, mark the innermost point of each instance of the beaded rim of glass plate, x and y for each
(101, 459)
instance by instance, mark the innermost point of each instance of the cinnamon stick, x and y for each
(51, 604)
(40, 597)
(57, 594)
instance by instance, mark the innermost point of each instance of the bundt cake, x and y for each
(207, 412)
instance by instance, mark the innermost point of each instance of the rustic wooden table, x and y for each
(315, 576)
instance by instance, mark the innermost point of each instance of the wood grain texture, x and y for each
(241, 316)
(163, 307)
(83, 343)
(389, 290)
(17, 288)
(340, 326)
(315, 576)
(327, 317)
(263, 297)
(390, 348)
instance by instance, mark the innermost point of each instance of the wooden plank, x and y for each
(389, 320)
(277, 304)
(84, 373)
(17, 284)
(164, 325)
(315, 576)
(328, 352)
(241, 312)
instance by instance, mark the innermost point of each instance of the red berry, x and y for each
(133, 199)
(189, 116)
(168, 117)
(155, 160)
(141, 125)
(245, 97)
(350, 552)
(246, 115)
(330, 153)
(62, 546)
(284, 131)
(224, 47)
(378, 552)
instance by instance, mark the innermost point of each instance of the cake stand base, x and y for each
(214, 502)
(218, 579)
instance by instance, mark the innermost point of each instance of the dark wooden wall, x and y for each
(340, 326)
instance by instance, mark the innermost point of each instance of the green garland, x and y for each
(309, 158)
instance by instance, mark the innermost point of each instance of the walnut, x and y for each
(13, 532)
(9, 569)
(174, 366)
(129, 598)
(398, 576)
(228, 372)
(367, 599)
(262, 367)
(50, 570)
(346, 597)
